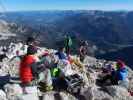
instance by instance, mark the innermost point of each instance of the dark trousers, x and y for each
(113, 80)
(60, 84)
(67, 50)
(82, 57)
(4, 80)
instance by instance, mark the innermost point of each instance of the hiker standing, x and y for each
(68, 44)
(83, 50)
(30, 62)
(34, 70)
(26, 70)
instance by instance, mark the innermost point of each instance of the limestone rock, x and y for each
(58, 96)
(95, 93)
(2, 95)
(13, 91)
(120, 93)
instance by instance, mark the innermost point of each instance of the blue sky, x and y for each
(20, 5)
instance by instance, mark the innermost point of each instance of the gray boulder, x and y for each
(95, 93)
(119, 93)
(2, 95)
(58, 96)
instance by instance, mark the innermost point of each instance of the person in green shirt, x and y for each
(68, 44)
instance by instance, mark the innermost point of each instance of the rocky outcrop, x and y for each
(89, 71)
(58, 96)
(2, 95)
(95, 93)
(119, 93)
(5, 32)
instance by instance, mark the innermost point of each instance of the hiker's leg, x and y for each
(114, 80)
(81, 58)
(68, 50)
(48, 77)
(45, 83)
(62, 83)
(106, 78)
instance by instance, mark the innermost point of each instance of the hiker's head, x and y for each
(31, 50)
(62, 49)
(120, 64)
(84, 43)
(67, 36)
(110, 66)
(31, 41)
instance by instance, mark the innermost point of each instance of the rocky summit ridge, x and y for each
(90, 72)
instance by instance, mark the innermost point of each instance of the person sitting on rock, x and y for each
(109, 68)
(45, 78)
(120, 74)
(64, 61)
(61, 53)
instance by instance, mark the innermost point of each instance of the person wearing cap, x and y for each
(61, 53)
(26, 70)
(122, 71)
(33, 70)
(83, 50)
(120, 74)
(31, 41)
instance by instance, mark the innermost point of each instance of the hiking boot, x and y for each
(49, 88)
(44, 88)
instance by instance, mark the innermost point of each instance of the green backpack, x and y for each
(68, 41)
(55, 72)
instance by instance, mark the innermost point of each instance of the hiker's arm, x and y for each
(81, 50)
(38, 66)
(42, 60)
(34, 69)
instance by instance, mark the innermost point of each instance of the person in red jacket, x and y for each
(26, 70)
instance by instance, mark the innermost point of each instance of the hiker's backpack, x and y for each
(74, 83)
(55, 72)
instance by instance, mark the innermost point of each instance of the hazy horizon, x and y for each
(43, 5)
(52, 10)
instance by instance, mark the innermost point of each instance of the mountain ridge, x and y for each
(101, 28)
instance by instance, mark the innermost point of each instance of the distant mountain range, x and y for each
(109, 31)
(123, 54)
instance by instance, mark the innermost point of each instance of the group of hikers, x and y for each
(36, 70)
(117, 73)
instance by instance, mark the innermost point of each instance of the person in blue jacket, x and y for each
(120, 74)
(61, 53)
